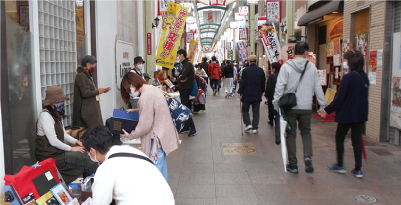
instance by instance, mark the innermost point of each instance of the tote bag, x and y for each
(179, 113)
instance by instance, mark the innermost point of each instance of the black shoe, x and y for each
(308, 164)
(192, 133)
(292, 168)
(270, 123)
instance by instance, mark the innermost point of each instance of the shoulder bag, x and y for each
(289, 100)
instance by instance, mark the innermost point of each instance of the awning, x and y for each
(318, 13)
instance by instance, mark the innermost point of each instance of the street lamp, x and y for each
(156, 22)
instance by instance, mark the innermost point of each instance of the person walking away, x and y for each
(351, 107)
(251, 89)
(290, 80)
(235, 77)
(228, 75)
(215, 72)
(155, 128)
(126, 174)
(86, 108)
(270, 87)
(186, 79)
(138, 66)
(205, 67)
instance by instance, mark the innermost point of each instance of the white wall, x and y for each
(106, 31)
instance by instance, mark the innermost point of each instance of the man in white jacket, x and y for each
(289, 81)
(126, 174)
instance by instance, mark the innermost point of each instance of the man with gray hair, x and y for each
(299, 76)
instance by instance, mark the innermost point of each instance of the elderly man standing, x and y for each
(299, 76)
(251, 89)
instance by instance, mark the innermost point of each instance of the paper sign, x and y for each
(330, 49)
(243, 34)
(336, 76)
(337, 60)
(49, 176)
(252, 2)
(322, 76)
(372, 78)
(373, 61)
(243, 11)
(273, 12)
(380, 58)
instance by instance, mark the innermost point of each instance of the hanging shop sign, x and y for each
(238, 17)
(290, 52)
(173, 30)
(124, 60)
(273, 11)
(243, 10)
(337, 30)
(163, 6)
(243, 52)
(149, 43)
(243, 34)
(217, 2)
(190, 20)
(262, 20)
(190, 36)
(271, 43)
(212, 17)
(249, 2)
(193, 49)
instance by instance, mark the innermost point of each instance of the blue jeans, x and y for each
(161, 163)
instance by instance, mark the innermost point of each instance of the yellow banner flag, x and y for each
(193, 49)
(173, 28)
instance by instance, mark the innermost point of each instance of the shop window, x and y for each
(21, 85)
(322, 35)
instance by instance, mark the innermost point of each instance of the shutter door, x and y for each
(397, 17)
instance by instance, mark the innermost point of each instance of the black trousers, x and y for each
(214, 83)
(272, 111)
(255, 113)
(356, 137)
(184, 96)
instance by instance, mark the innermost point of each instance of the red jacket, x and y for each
(214, 70)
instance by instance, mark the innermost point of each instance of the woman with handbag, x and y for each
(51, 139)
(351, 107)
(155, 128)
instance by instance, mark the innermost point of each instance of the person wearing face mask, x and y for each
(155, 128)
(299, 76)
(126, 174)
(51, 139)
(162, 76)
(351, 106)
(139, 66)
(86, 109)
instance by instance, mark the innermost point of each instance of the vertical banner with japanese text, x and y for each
(243, 52)
(270, 42)
(193, 49)
(173, 28)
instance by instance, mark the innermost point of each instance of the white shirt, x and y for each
(46, 127)
(130, 181)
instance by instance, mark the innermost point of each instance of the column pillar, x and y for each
(150, 60)
(290, 19)
(252, 28)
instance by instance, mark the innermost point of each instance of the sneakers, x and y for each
(248, 128)
(192, 133)
(270, 123)
(337, 169)
(200, 111)
(292, 168)
(214, 92)
(308, 164)
(357, 174)
(254, 131)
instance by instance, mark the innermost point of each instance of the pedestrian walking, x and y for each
(214, 71)
(228, 75)
(251, 89)
(351, 107)
(300, 77)
(270, 87)
(205, 67)
(235, 77)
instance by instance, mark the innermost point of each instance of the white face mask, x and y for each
(235, 63)
(94, 160)
(345, 65)
(140, 66)
(134, 93)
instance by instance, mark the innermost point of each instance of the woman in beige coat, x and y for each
(159, 137)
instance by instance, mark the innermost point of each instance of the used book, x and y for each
(123, 120)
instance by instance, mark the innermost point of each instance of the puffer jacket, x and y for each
(214, 70)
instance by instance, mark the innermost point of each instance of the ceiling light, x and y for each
(235, 3)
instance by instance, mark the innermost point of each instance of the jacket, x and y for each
(252, 84)
(228, 71)
(205, 67)
(351, 103)
(187, 74)
(288, 79)
(86, 109)
(214, 70)
(155, 117)
(271, 86)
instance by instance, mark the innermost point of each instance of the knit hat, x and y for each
(54, 94)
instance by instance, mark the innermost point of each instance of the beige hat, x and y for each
(252, 58)
(54, 94)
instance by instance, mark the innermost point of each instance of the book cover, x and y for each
(134, 116)
(118, 124)
(47, 199)
(44, 182)
(61, 194)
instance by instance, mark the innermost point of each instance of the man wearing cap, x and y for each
(251, 89)
(139, 65)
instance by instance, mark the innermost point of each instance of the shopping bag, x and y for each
(179, 113)
(283, 127)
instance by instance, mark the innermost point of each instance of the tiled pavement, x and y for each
(200, 174)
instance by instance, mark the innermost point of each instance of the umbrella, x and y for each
(277, 129)
(363, 149)
(283, 126)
